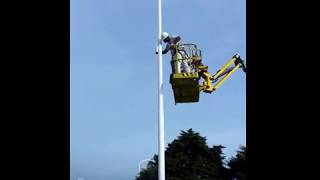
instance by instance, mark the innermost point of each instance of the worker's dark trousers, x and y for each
(172, 66)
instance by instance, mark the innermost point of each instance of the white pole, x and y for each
(161, 160)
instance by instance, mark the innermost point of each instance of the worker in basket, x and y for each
(179, 59)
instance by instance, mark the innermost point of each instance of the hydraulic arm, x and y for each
(213, 82)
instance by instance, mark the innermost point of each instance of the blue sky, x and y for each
(113, 81)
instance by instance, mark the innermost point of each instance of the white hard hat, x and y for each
(164, 35)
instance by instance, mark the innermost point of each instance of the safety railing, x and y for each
(187, 53)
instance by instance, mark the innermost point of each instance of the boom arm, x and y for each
(225, 72)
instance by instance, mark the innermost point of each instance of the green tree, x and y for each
(218, 159)
(151, 171)
(188, 157)
(237, 164)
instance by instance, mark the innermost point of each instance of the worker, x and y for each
(177, 65)
(186, 60)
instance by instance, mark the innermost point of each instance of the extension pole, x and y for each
(161, 159)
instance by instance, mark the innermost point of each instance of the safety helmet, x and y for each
(164, 35)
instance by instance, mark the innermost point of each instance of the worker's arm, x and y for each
(165, 50)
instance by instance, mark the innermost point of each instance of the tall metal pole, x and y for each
(161, 160)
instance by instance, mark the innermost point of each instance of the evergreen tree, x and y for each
(237, 165)
(188, 157)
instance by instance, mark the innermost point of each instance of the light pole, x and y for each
(161, 165)
(82, 178)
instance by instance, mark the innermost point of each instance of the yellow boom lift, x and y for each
(186, 86)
